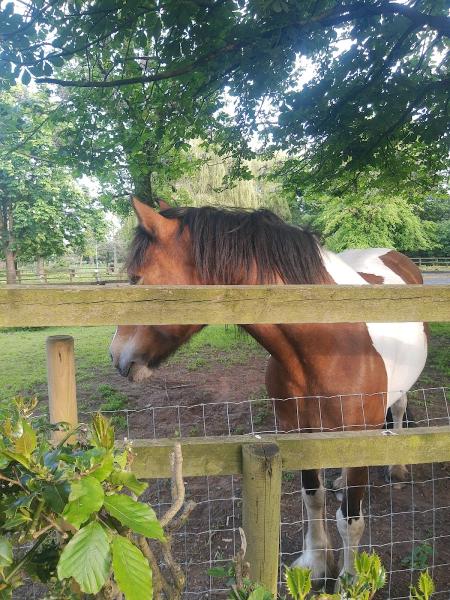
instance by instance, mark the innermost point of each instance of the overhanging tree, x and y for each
(391, 79)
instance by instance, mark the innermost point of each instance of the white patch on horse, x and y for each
(351, 531)
(317, 552)
(402, 346)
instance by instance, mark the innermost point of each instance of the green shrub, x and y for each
(370, 576)
(63, 516)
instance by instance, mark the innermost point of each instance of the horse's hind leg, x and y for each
(398, 473)
(349, 517)
(317, 553)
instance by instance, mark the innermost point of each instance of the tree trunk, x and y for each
(8, 244)
(143, 189)
(11, 273)
(40, 268)
(115, 263)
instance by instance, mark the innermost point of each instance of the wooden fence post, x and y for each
(261, 464)
(62, 396)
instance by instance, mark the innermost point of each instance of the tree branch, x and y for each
(331, 18)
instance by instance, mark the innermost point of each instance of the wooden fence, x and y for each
(261, 461)
(440, 262)
(67, 275)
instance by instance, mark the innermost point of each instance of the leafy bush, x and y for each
(67, 503)
(370, 577)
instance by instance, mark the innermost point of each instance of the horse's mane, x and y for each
(227, 244)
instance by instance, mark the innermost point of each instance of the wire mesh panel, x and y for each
(407, 524)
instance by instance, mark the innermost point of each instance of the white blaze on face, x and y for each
(402, 346)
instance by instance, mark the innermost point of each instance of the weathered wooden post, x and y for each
(261, 511)
(62, 396)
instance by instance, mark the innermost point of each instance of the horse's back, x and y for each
(402, 346)
(389, 265)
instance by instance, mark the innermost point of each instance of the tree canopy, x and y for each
(380, 68)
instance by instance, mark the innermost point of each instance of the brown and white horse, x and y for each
(335, 376)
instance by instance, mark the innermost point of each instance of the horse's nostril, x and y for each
(124, 369)
(111, 356)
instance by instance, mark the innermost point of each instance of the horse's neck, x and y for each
(287, 344)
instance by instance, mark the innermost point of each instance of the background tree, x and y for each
(403, 205)
(43, 211)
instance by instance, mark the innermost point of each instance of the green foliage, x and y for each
(137, 516)
(424, 589)
(43, 211)
(370, 576)
(128, 559)
(298, 582)
(420, 556)
(372, 220)
(112, 399)
(65, 502)
(87, 558)
(86, 496)
(156, 77)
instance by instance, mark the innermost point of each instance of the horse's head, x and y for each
(182, 246)
(161, 254)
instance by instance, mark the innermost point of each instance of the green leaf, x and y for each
(6, 593)
(26, 444)
(86, 558)
(15, 522)
(260, 593)
(298, 581)
(131, 570)
(102, 432)
(23, 460)
(129, 480)
(105, 467)
(56, 495)
(425, 587)
(6, 553)
(137, 516)
(86, 496)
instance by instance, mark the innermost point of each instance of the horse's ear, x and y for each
(148, 218)
(163, 204)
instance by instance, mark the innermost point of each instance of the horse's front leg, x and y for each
(349, 517)
(398, 473)
(317, 552)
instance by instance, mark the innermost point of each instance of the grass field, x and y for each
(23, 368)
(22, 353)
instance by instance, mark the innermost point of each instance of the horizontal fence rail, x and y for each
(299, 451)
(164, 305)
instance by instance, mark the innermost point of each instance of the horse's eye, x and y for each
(133, 279)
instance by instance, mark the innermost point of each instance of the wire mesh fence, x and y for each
(407, 524)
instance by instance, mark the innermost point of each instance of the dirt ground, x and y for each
(408, 527)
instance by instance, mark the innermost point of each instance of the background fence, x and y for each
(232, 474)
(101, 274)
(438, 262)
(86, 274)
